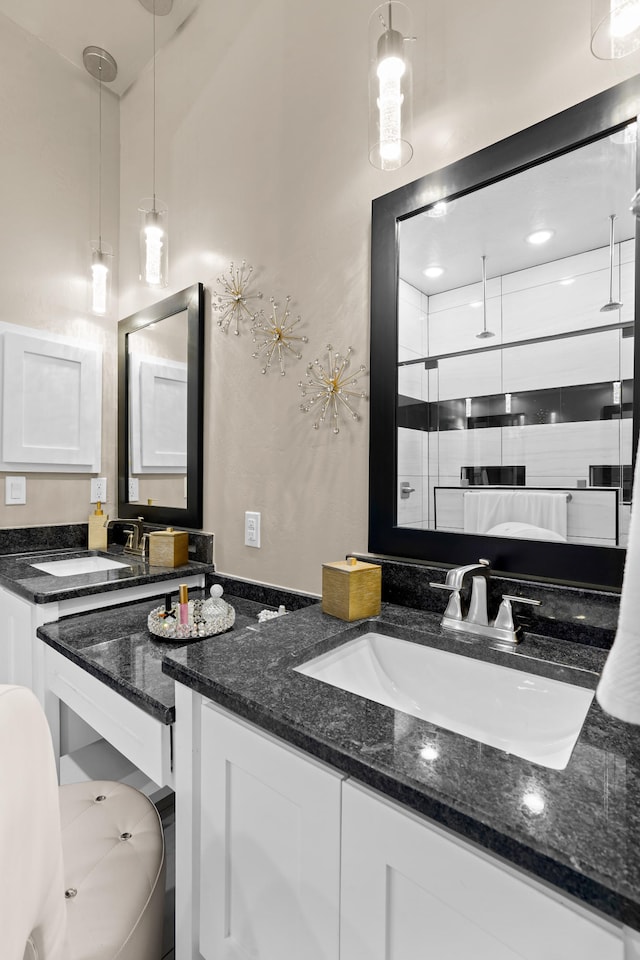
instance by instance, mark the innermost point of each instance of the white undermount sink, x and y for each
(536, 718)
(76, 566)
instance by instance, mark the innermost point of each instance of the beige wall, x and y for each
(262, 126)
(262, 153)
(48, 215)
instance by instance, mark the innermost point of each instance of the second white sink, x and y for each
(78, 565)
(533, 717)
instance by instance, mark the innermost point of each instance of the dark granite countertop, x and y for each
(577, 828)
(18, 574)
(115, 646)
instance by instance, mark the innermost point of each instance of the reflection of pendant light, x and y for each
(484, 333)
(615, 28)
(154, 214)
(612, 304)
(103, 67)
(389, 87)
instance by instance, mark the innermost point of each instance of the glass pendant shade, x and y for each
(390, 86)
(154, 242)
(101, 270)
(615, 28)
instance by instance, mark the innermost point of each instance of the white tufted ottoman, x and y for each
(113, 853)
(81, 866)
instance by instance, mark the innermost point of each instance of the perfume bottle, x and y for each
(183, 607)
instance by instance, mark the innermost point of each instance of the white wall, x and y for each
(262, 153)
(48, 215)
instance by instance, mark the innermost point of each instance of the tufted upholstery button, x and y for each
(70, 893)
(101, 797)
(125, 836)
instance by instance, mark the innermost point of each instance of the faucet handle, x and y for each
(504, 619)
(454, 606)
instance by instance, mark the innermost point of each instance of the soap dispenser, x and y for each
(98, 529)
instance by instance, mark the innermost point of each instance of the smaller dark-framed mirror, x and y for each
(160, 411)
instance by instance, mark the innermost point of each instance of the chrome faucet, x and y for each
(476, 620)
(136, 537)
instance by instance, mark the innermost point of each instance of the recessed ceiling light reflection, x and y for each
(567, 281)
(430, 752)
(433, 271)
(534, 802)
(475, 304)
(539, 236)
(439, 209)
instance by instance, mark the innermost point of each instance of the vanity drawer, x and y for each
(145, 741)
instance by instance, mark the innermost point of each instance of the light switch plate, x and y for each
(15, 490)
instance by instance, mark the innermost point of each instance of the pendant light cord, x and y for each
(154, 106)
(100, 159)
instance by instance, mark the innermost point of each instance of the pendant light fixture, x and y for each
(154, 215)
(615, 28)
(103, 67)
(390, 86)
(611, 303)
(484, 333)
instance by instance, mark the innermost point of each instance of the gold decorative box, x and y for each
(168, 548)
(351, 589)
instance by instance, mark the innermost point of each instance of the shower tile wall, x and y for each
(552, 298)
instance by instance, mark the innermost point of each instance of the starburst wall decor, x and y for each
(274, 336)
(329, 388)
(232, 302)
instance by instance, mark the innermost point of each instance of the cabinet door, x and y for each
(410, 890)
(16, 643)
(270, 847)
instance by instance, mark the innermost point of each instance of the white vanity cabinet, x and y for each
(281, 857)
(270, 847)
(64, 690)
(411, 889)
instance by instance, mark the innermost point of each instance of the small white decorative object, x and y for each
(206, 619)
(265, 615)
(274, 336)
(232, 303)
(330, 388)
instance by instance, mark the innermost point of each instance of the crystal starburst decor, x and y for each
(232, 302)
(274, 336)
(329, 388)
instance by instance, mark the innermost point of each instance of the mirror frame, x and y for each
(568, 563)
(192, 300)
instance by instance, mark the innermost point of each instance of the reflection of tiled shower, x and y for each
(477, 394)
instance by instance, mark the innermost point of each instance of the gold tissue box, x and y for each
(168, 548)
(351, 589)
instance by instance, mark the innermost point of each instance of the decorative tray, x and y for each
(206, 618)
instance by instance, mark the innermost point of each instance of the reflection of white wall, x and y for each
(412, 340)
(529, 303)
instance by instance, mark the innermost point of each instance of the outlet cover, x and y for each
(98, 490)
(134, 490)
(251, 529)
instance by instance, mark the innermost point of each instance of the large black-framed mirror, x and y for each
(477, 429)
(160, 411)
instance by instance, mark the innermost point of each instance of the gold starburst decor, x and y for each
(274, 336)
(232, 302)
(329, 388)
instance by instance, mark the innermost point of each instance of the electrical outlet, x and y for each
(134, 490)
(98, 490)
(251, 529)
